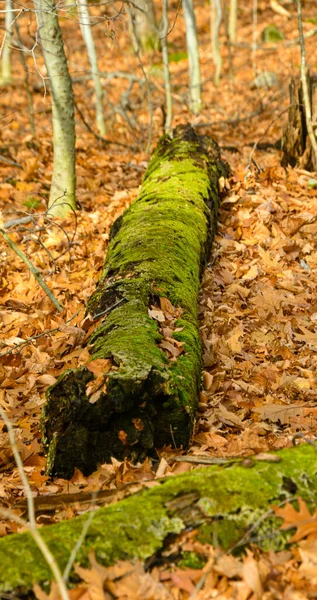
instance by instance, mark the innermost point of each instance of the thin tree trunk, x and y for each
(254, 34)
(26, 79)
(62, 194)
(232, 28)
(296, 141)
(231, 504)
(229, 43)
(216, 14)
(86, 30)
(193, 56)
(6, 74)
(305, 87)
(167, 77)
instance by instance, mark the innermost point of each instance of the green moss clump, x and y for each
(192, 560)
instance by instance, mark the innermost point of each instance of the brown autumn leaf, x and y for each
(167, 307)
(99, 366)
(171, 348)
(75, 335)
(95, 388)
(252, 273)
(123, 580)
(308, 554)
(251, 574)
(279, 412)
(157, 314)
(94, 578)
(303, 520)
(233, 340)
(77, 593)
(228, 565)
(229, 418)
(185, 579)
(207, 380)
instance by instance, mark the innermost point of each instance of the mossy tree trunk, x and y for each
(147, 343)
(296, 146)
(230, 504)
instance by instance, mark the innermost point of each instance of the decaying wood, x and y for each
(228, 504)
(297, 150)
(140, 391)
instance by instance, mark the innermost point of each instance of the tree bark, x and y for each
(86, 29)
(167, 75)
(297, 150)
(144, 28)
(233, 13)
(147, 392)
(193, 56)
(6, 73)
(228, 503)
(62, 193)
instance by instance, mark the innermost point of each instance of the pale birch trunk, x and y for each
(193, 56)
(6, 74)
(216, 15)
(85, 26)
(167, 76)
(62, 194)
(233, 20)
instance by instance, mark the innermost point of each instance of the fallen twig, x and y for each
(31, 339)
(33, 270)
(31, 525)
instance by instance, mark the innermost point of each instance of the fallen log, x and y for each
(228, 504)
(140, 391)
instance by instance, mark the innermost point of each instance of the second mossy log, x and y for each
(229, 506)
(140, 389)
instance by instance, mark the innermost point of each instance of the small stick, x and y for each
(80, 540)
(31, 339)
(205, 460)
(33, 270)
(31, 513)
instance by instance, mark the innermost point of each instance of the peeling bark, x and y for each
(296, 146)
(148, 395)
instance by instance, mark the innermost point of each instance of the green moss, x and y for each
(158, 248)
(227, 504)
(191, 560)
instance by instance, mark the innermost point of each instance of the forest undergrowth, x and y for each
(258, 303)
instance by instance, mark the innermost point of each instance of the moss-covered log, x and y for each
(229, 504)
(147, 387)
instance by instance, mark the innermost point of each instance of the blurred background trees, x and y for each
(61, 53)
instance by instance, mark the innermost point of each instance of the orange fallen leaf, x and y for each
(303, 520)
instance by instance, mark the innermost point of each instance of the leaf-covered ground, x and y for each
(258, 302)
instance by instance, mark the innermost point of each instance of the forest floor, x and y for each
(258, 303)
